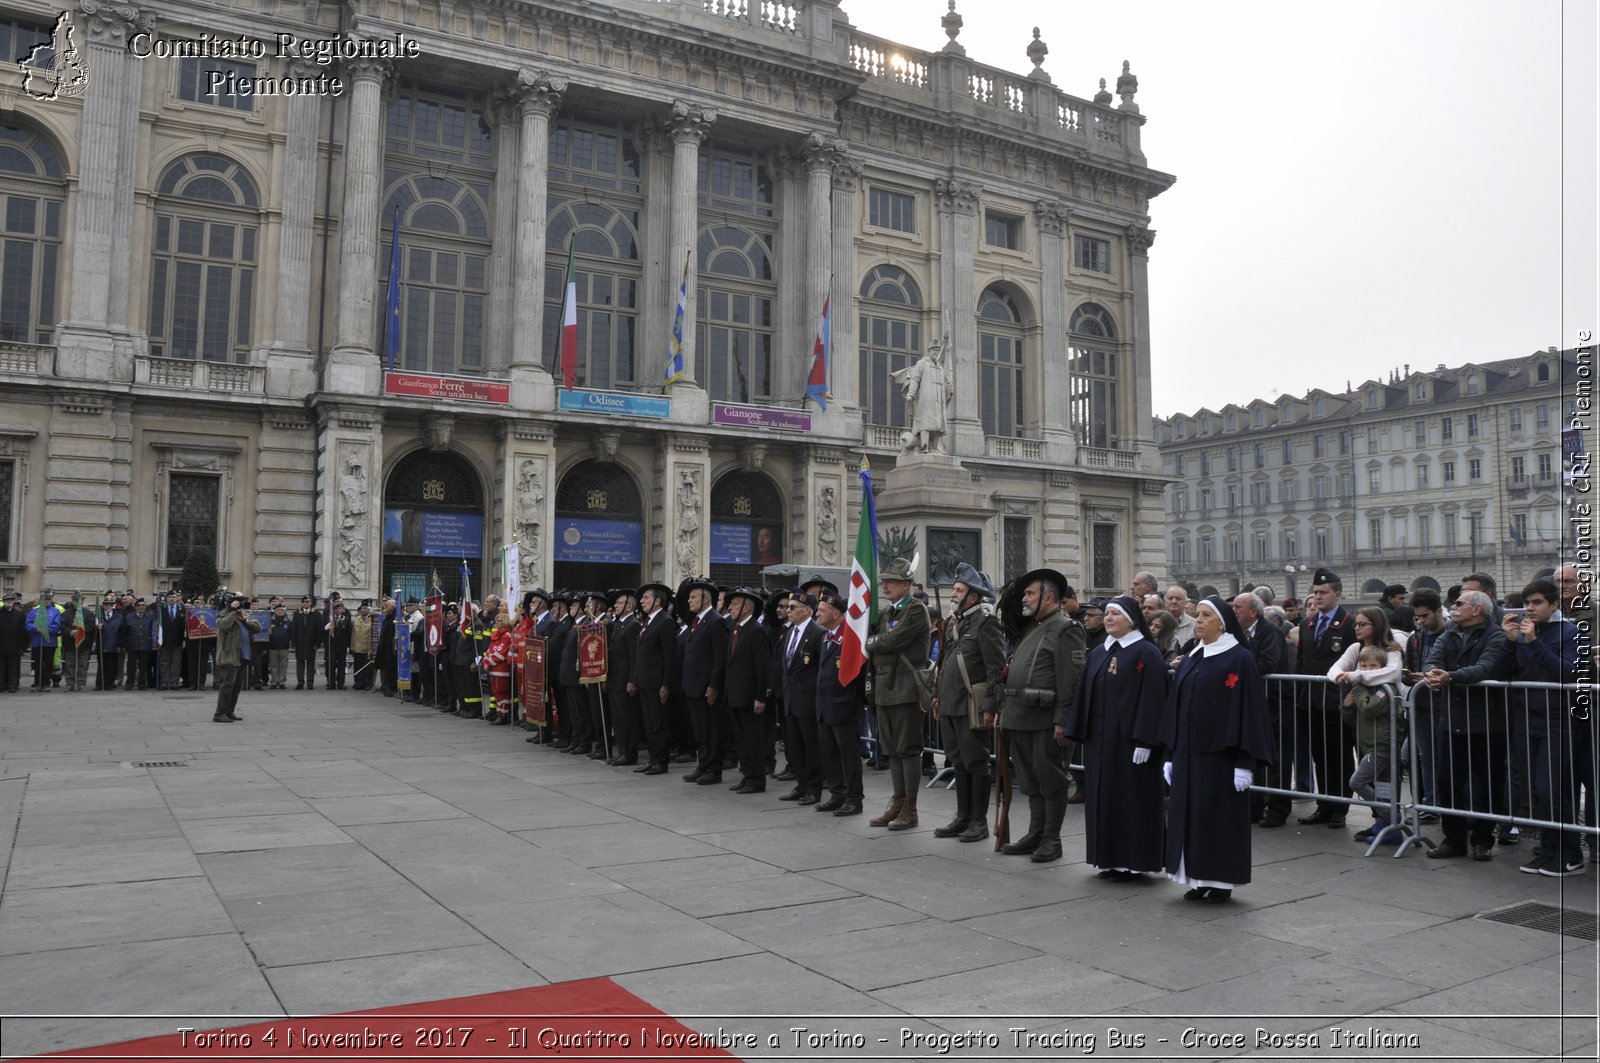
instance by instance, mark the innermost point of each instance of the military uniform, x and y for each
(898, 651)
(972, 654)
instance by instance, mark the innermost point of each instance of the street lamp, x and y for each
(1291, 571)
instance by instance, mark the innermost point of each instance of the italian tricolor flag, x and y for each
(569, 326)
(862, 611)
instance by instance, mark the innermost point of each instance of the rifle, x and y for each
(1002, 789)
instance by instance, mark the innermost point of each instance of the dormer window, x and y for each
(1472, 383)
(1205, 426)
(1316, 408)
(1542, 373)
(1372, 400)
(1233, 422)
(1260, 418)
(1288, 413)
(1422, 392)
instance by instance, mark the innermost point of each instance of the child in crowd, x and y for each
(1366, 713)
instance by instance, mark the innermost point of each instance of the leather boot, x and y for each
(908, 813)
(1055, 811)
(889, 815)
(978, 825)
(1029, 841)
(963, 807)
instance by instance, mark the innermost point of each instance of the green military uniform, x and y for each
(898, 652)
(972, 656)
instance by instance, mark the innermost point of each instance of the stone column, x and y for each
(1135, 435)
(795, 320)
(290, 370)
(822, 150)
(958, 206)
(1054, 379)
(97, 311)
(507, 126)
(354, 367)
(658, 288)
(350, 482)
(846, 353)
(689, 124)
(538, 94)
(525, 497)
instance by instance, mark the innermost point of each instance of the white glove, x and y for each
(1140, 754)
(1242, 778)
(477, 661)
(1166, 772)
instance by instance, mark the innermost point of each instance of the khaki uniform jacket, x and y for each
(228, 625)
(976, 639)
(361, 633)
(1042, 680)
(901, 638)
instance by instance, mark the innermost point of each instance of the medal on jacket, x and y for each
(1111, 669)
(805, 659)
(1336, 646)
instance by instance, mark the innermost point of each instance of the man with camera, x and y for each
(235, 626)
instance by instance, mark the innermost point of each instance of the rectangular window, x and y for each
(216, 82)
(1519, 528)
(1447, 430)
(1205, 463)
(892, 210)
(1320, 543)
(192, 515)
(1372, 441)
(1263, 495)
(1422, 476)
(1519, 469)
(1105, 556)
(1233, 498)
(1016, 548)
(1374, 480)
(1205, 500)
(1472, 426)
(1474, 469)
(1514, 420)
(1449, 471)
(1261, 455)
(1319, 487)
(1375, 533)
(1180, 551)
(1289, 491)
(1546, 466)
(1344, 443)
(1232, 547)
(1419, 432)
(1261, 546)
(1179, 464)
(1288, 452)
(1233, 459)
(1449, 526)
(1205, 550)
(26, 41)
(1091, 254)
(1347, 485)
(1291, 547)
(1000, 230)
(1319, 446)
(1424, 531)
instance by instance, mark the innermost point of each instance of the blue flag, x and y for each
(391, 328)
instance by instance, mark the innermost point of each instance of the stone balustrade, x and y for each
(28, 359)
(1120, 460)
(200, 375)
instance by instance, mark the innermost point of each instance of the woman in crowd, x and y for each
(1214, 730)
(1117, 715)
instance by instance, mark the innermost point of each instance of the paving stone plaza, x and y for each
(339, 851)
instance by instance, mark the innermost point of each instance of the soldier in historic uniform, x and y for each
(655, 672)
(705, 666)
(1040, 685)
(746, 685)
(972, 655)
(840, 706)
(898, 652)
(622, 645)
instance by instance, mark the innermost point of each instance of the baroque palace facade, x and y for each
(194, 325)
(1416, 479)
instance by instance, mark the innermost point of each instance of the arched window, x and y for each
(599, 533)
(735, 306)
(32, 196)
(999, 363)
(437, 175)
(605, 247)
(890, 340)
(432, 522)
(746, 528)
(203, 269)
(1093, 365)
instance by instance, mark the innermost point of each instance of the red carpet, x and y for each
(592, 1019)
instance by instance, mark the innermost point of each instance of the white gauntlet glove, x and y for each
(1140, 754)
(1166, 772)
(1242, 778)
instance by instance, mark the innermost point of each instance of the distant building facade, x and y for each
(1416, 479)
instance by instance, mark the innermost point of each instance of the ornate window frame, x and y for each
(190, 455)
(15, 443)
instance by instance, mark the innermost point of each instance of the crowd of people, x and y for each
(1150, 708)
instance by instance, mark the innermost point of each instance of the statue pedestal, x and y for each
(931, 498)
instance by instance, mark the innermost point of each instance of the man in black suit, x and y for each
(839, 711)
(338, 628)
(306, 633)
(1324, 634)
(1271, 651)
(705, 666)
(174, 621)
(746, 686)
(655, 666)
(802, 659)
(622, 646)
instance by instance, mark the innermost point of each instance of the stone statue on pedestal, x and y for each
(926, 387)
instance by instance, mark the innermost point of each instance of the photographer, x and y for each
(235, 626)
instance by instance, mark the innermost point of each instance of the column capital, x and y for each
(956, 195)
(301, 68)
(690, 123)
(368, 69)
(1139, 240)
(822, 151)
(112, 24)
(847, 173)
(1053, 216)
(538, 90)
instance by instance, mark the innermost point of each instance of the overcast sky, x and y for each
(1360, 185)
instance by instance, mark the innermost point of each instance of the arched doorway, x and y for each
(432, 522)
(746, 529)
(599, 540)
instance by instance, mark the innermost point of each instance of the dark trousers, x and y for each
(10, 672)
(468, 698)
(657, 727)
(710, 737)
(804, 747)
(110, 671)
(363, 671)
(599, 717)
(962, 745)
(626, 722)
(336, 666)
(681, 721)
(305, 670)
(841, 761)
(1278, 775)
(230, 681)
(576, 700)
(748, 731)
(1332, 755)
(1467, 768)
(171, 667)
(138, 669)
(44, 663)
(1543, 739)
(1039, 761)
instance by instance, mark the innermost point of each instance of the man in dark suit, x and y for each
(110, 621)
(306, 633)
(338, 629)
(802, 658)
(705, 666)
(1271, 651)
(1324, 634)
(745, 689)
(839, 711)
(622, 646)
(174, 621)
(655, 666)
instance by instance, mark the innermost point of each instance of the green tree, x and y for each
(199, 574)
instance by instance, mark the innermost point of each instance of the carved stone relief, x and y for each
(354, 496)
(688, 543)
(529, 519)
(828, 525)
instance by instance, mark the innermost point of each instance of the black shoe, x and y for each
(1319, 816)
(622, 760)
(598, 754)
(830, 805)
(1446, 851)
(749, 788)
(849, 808)
(1022, 846)
(1336, 823)
(741, 784)
(710, 778)
(222, 719)
(561, 743)
(951, 829)
(1481, 851)
(810, 799)
(582, 749)
(299, 686)
(655, 769)
(793, 795)
(976, 831)
(685, 758)
(786, 775)
(693, 776)
(1272, 818)
(643, 769)
(234, 717)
